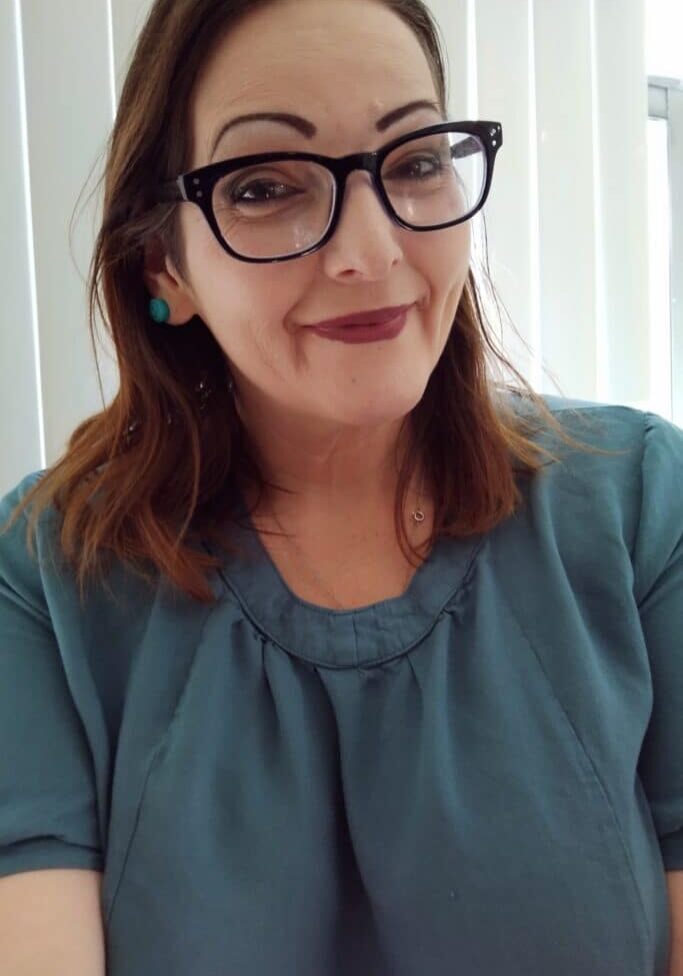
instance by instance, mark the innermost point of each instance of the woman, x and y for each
(369, 681)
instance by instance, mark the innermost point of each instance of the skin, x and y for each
(324, 416)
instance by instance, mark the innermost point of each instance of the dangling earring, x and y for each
(159, 310)
(204, 392)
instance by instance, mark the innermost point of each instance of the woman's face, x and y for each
(342, 64)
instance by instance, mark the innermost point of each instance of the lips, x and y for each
(371, 317)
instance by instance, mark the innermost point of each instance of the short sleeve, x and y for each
(658, 588)
(47, 792)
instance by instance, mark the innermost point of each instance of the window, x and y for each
(664, 56)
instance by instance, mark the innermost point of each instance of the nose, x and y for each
(361, 182)
(364, 227)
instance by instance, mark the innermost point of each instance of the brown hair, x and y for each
(162, 469)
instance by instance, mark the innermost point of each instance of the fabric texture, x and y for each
(482, 775)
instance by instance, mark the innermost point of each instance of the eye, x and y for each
(411, 168)
(239, 194)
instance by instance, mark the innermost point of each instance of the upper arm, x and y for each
(658, 588)
(51, 923)
(48, 790)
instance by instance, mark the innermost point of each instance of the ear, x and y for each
(163, 281)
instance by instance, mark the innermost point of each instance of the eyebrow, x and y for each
(309, 130)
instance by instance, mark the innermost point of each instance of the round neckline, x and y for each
(342, 637)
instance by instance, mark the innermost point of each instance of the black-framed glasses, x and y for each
(279, 206)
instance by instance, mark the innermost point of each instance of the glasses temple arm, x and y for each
(171, 191)
(466, 148)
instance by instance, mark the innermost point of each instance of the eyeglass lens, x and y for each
(284, 207)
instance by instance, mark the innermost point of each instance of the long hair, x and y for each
(152, 471)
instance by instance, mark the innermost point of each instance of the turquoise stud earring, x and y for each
(159, 310)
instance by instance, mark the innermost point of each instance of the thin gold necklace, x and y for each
(417, 516)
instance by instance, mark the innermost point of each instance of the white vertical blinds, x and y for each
(566, 221)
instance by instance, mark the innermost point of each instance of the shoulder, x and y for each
(604, 425)
(19, 570)
(15, 495)
(639, 445)
(629, 497)
(627, 441)
(46, 586)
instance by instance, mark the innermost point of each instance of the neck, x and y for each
(322, 472)
(314, 518)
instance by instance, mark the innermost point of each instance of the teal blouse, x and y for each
(483, 775)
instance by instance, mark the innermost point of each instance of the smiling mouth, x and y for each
(378, 318)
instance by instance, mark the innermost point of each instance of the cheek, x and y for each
(445, 265)
(446, 271)
(226, 289)
(457, 249)
(247, 307)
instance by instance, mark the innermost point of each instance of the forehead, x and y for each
(297, 56)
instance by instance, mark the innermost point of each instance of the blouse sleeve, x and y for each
(47, 792)
(658, 588)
